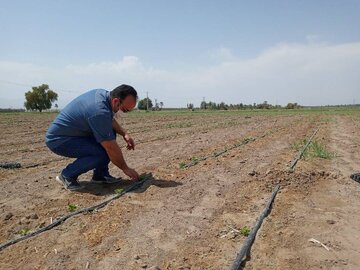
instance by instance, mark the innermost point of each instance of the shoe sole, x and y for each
(61, 182)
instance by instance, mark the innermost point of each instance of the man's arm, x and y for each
(114, 152)
(119, 130)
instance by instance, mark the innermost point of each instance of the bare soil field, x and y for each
(190, 218)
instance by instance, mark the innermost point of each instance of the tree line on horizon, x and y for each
(223, 106)
(41, 98)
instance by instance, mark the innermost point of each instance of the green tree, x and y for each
(142, 104)
(40, 98)
(203, 105)
(293, 106)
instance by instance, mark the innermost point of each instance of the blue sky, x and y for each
(180, 51)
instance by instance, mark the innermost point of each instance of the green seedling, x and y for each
(245, 231)
(249, 139)
(195, 160)
(182, 165)
(119, 190)
(143, 177)
(24, 232)
(72, 207)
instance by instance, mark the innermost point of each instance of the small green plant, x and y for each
(182, 165)
(245, 231)
(195, 160)
(119, 190)
(143, 177)
(24, 232)
(72, 207)
(247, 140)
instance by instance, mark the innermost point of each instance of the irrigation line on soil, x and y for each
(246, 247)
(301, 153)
(60, 220)
(216, 154)
(10, 165)
(194, 162)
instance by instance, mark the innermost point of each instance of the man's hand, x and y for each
(130, 142)
(131, 173)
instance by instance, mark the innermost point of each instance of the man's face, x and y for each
(125, 105)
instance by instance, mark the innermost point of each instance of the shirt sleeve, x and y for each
(101, 126)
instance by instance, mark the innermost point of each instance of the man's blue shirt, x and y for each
(90, 114)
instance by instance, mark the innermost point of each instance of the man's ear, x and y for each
(115, 101)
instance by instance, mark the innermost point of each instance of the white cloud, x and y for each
(311, 73)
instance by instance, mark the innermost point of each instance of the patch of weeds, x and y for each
(315, 149)
(119, 190)
(72, 207)
(245, 231)
(24, 232)
(319, 150)
(299, 145)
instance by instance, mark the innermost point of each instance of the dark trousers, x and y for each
(89, 155)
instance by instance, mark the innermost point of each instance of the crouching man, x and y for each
(86, 130)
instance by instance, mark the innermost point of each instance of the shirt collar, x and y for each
(109, 102)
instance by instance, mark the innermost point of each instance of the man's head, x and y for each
(123, 98)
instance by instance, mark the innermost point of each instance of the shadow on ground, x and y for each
(100, 189)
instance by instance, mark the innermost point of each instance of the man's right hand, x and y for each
(131, 173)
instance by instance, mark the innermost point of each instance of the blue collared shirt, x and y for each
(90, 114)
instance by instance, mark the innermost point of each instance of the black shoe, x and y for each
(69, 184)
(105, 179)
(355, 177)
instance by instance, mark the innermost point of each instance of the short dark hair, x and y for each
(123, 91)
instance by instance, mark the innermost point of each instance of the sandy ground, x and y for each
(182, 218)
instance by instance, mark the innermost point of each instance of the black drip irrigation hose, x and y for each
(196, 161)
(10, 165)
(301, 153)
(246, 247)
(243, 142)
(60, 220)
